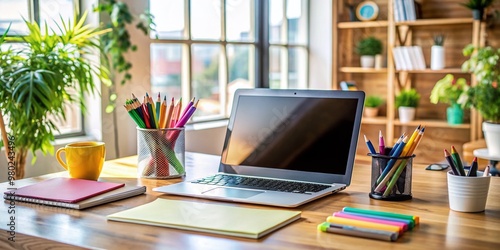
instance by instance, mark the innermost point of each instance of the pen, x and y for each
(473, 168)
(381, 143)
(357, 231)
(370, 146)
(450, 162)
(486, 171)
(458, 162)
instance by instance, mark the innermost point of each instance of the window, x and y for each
(13, 13)
(209, 48)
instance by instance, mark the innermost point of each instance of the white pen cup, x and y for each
(468, 193)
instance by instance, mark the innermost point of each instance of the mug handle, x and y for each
(59, 159)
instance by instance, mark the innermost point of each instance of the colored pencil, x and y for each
(473, 168)
(458, 162)
(381, 143)
(448, 158)
(370, 146)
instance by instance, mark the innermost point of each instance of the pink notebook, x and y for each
(66, 189)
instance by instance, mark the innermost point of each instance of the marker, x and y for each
(410, 223)
(451, 163)
(362, 224)
(415, 219)
(403, 226)
(473, 168)
(370, 146)
(381, 143)
(357, 231)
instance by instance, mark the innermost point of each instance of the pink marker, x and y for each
(402, 226)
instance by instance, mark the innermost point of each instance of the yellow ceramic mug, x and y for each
(84, 160)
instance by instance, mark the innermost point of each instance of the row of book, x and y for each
(369, 223)
(405, 10)
(408, 58)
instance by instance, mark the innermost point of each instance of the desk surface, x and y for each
(43, 227)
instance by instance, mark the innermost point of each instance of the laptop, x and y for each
(283, 148)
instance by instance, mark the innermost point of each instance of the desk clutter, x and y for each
(369, 224)
(207, 217)
(73, 193)
(392, 166)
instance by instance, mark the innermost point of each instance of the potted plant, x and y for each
(367, 48)
(484, 64)
(448, 90)
(372, 104)
(477, 7)
(437, 52)
(38, 80)
(406, 102)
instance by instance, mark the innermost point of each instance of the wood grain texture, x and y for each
(440, 228)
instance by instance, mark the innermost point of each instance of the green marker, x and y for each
(380, 213)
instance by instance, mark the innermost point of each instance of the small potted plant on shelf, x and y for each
(372, 105)
(406, 103)
(477, 7)
(437, 52)
(448, 90)
(368, 48)
(485, 95)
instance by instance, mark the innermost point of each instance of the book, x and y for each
(73, 193)
(208, 217)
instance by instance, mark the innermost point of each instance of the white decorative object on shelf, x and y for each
(437, 57)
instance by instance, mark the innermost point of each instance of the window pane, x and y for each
(205, 81)
(297, 68)
(297, 21)
(169, 18)
(239, 24)
(51, 12)
(73, 122)
(205, 19)
(275, 20)
(166, 68)
(274, 67)
(12, 13)
(241, 70)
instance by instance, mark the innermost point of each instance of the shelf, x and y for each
(432, 124)
(439, 71)
(362, 70)
(370, 24)
(374, 120)
(438, 21)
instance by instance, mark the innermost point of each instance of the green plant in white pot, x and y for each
(448, 90)
(406, 103)
(372, 105)
(485, 95)
(368, 48)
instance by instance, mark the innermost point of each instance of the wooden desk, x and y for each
(42, 227)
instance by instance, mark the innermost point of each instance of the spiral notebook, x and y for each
(73, 193)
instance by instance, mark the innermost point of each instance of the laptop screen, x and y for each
(306, 131)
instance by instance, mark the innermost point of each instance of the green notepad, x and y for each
(207, 217)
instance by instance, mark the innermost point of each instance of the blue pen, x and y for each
(393, 160)
(370, 146)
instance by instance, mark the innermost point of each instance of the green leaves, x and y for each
(407, 98)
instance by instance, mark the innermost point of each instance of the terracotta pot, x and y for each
(370, 112)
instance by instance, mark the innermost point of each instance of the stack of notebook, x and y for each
(73, 193)
(369, 223)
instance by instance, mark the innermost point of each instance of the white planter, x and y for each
(491, 133)
(437, 57)
(367, 61)
(406, 114)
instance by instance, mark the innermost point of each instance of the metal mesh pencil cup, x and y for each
(161, 153)
(391, 177)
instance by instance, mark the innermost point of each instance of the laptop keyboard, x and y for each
(262, 184)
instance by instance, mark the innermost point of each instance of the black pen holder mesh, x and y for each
(391, 177)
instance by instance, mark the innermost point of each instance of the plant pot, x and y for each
(477, 14)
(367, 61)
(437, 57)
(406, 114)
(455, 114)
(370, 112)
(491, 133)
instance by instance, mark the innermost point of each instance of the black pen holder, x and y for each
(391, 177)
